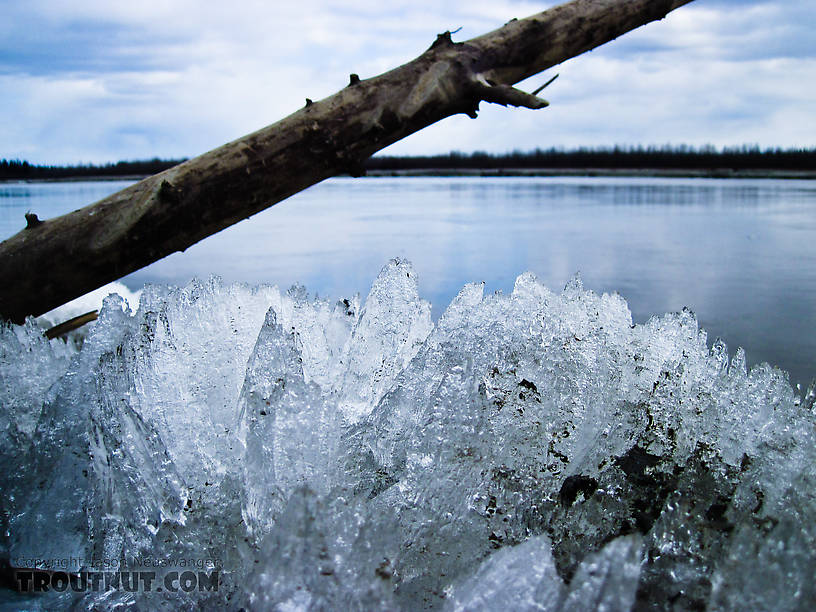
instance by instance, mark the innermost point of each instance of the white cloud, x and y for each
(101, 81)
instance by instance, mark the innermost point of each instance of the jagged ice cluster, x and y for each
(531, 451)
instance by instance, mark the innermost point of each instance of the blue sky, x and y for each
(98, 81)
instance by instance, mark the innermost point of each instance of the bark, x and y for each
(53, 261)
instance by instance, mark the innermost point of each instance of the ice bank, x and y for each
(534, 451)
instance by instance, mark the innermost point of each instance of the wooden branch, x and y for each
(71, 324)
(53, 261)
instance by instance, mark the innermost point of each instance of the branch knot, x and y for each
(442, 40)
(32, 220)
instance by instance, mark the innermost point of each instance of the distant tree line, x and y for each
(665, 157)
(19, 169)
(639, 157)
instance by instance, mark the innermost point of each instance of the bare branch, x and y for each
(71, 325)
(536, 91)
(54, 261)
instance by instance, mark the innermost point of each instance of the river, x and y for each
(740, 253)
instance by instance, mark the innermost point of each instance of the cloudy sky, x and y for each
(104, 80)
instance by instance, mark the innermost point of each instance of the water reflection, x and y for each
(740, 253)
(48, 200)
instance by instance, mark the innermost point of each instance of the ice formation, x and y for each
(89, 301)
(534, 451)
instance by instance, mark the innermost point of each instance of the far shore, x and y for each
(718, 173)
(604, 172)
